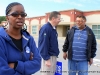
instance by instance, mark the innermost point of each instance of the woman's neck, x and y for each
(15, 33)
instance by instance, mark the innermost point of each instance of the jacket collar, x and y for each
(5, 36)
(53, 27)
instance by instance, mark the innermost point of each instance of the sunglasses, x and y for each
(16, 14)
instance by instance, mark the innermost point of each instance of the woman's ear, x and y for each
(7, 18)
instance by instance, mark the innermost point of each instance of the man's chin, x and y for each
(79, 26)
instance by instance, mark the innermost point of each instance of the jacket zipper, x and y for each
(19, 50)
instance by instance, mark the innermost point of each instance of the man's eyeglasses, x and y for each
(16, 14)
(80, 21)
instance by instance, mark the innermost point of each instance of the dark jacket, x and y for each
(48, 42)
(91, 43)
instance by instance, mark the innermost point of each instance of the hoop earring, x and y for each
(24, 27)
(6, 25)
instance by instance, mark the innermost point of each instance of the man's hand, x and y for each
(11, 65)
(64, 55)
(31, 56)
(48, 63)
(91, 61)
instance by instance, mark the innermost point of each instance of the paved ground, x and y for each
(93, 69)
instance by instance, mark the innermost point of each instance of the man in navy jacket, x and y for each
(48, 44)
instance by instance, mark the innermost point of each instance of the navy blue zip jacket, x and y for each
(9, 53)
(48, 42)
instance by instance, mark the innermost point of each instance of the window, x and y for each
(98, 37)
(99, 27)
(99, 32)
(96, 30)
(34, 29)
(94, 27)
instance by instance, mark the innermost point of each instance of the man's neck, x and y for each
(53, 25)
(81, 28)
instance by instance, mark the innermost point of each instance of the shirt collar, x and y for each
(51, 25)
(54, 27)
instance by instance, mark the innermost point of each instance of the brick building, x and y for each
(67, 21)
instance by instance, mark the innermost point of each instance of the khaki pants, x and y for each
(45, 70)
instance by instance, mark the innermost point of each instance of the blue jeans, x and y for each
(80, 67)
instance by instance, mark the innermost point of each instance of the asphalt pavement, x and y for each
(94, 69)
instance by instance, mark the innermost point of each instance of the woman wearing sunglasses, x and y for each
(18, 52)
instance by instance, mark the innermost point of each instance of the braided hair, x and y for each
(9, 7)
